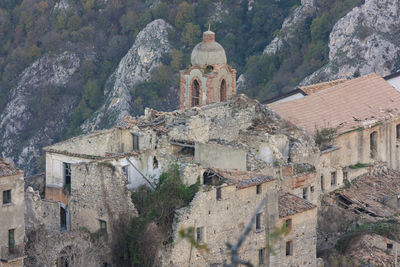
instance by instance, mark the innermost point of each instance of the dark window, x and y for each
(258, 189)
(199, 234)
(373, 144)
(258, 221)
(289, 248)
(7, 197)
(322, 183)
(288, 224)
(305, 192)
(11, 238)
(389, 246)
(195, 93)
(312, 189)
(345, 175)
(222, 91)
(219, 194)
(63, 219)
(155, 163)
(398, 131)
(333, 178)
(125, 170)
(261, 254)
(103, 226)
(67, 177)
(135, 141)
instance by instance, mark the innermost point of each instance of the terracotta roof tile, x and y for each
(7, 169)
(290, 204)
(360, 102)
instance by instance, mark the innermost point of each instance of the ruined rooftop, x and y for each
(242, 179)
(290, 204)
(362, 102)
(314, 88)
(7, 168)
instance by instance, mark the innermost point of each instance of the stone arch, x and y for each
(195, 93)
(223, 91)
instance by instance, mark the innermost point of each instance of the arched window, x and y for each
(222, 91)
(195, 93)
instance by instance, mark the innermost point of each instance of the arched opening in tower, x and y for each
(195, 93)
(222, 91)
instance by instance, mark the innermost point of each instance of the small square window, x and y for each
(7, 197)
(389, 246)
(199, 234)
(258, 221)
(261, 256)
(219, 197)
(289, 248)
(258, 189)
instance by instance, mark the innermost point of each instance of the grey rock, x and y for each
(136, 66)
(366, 40)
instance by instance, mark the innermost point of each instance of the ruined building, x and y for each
(209, 79)
(12, 227)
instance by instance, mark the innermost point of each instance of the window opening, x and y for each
(219, 194)
(155, 163)
(211, 178)
(6, 197)
(222, 91)
(261, 253)
(125, 170)
(345, 175)
(398, 131)
(288, 224)
(199, 234)
(389, 246)
(258, 221)
(305, 192)
(135, 142)
(312, 189)
(258, 189)
(11, 238)
(373, 144)
(103, 226)
(333, 178)
(67, 177)
(322, 183)
(289, 248)
(63, 219)
(195, 93)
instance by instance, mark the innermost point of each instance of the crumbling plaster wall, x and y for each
(12, 214)
(303, 235)
(98, 192)
(224, 221)
(95, 144)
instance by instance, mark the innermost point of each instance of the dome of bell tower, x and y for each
(208, 52)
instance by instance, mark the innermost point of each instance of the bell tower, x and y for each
(209, 79)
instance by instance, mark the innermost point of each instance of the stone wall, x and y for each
(12, 214)
(98, 193)
(223, 221)
(303, 237)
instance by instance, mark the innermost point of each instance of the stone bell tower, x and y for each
(209, 79)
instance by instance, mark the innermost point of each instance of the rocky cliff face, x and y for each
(299, 15)
(366, 40)
(136, 66)
(16, 121)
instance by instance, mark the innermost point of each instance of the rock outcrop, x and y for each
(136, 66)
(16, 142)
(365, 40)
(299, 15)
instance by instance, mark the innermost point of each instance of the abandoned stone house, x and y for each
(12, 227)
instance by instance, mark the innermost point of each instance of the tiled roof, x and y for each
(290, 204)
(314, 88)
(356, 103)
(7, 169)
(243, 179)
